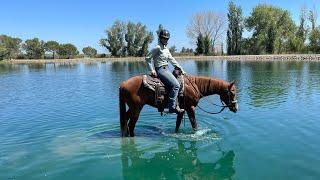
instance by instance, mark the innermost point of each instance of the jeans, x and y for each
(171, 84)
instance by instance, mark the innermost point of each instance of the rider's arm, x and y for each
(174, 62)
(150, 56)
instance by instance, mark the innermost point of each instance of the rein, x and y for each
(223, 106)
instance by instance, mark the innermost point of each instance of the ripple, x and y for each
(199, 135)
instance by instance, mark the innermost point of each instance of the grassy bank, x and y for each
(282, 57)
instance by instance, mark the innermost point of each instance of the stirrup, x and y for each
(177, 110)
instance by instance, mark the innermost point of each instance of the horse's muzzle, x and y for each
(234, 108)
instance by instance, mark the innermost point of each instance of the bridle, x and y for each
(230, 102)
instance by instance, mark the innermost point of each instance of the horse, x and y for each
(133, 94)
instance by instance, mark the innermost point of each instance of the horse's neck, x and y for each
(209, 86)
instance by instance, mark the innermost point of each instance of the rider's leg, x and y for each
(172, 83)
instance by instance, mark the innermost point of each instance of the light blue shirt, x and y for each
(160, 56)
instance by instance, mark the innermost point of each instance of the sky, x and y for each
(83, 23)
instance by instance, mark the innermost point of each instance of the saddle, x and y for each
(160, 90)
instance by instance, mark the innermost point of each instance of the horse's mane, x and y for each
(208, 85)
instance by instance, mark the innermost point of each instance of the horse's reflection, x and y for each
(176, 163)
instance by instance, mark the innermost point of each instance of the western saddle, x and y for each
(160, 91)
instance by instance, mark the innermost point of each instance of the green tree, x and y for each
(89, 51)
(34, 48)
(313, 19)
(130, 38)
(137, 39)
(144, 49)
(173, 49)
(302, 31)
(10, 47)
(115, 40)
(3, 52)
(297, 41)
(51, 46)
(183, 50)
(271, 29)
(235, 29)
(200, 45)
(222, 52)
(67, 51)
(207, 44)
(314, 38)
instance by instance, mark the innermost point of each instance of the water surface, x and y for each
(61, 121)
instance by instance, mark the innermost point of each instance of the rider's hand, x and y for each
(153, 73)
(183, 73)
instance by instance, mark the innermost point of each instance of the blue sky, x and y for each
(83, 22)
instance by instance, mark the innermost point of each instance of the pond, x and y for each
(61, 121)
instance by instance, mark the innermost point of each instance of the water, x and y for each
(61, 121)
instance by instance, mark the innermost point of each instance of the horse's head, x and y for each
(229, 97)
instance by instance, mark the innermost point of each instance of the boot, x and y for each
(177, 110)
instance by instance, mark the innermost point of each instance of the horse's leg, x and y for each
(134, 116)
(178, 122)
(192, 117)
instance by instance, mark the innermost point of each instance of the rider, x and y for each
(161, 55)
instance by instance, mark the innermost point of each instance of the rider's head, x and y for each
(164, 36)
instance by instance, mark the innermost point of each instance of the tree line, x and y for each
(272, 31)
(14, 48)
(269, 29)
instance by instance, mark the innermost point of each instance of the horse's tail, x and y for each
(122, 110)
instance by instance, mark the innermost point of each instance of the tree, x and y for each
(235, 29)
(297, 42)
(115, 41)
(127, 39)
(207, 45)
(9, 47)
(67, 51)
(314, 38)
(302, 31)
(313, 18)
(222, 52)
(137, 39)
(3, 52)
(34, 48)
(51, 46)
(183, 50)
(209, 24)
(89, 51)
(173, 49)
(271, 29)
(200, 45)
(144, 49)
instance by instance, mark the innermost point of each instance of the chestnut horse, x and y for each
(135, 95)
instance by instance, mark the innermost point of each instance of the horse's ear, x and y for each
(232, 83)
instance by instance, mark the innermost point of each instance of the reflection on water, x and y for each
(204, 66)
(134, 67)
(180, 161)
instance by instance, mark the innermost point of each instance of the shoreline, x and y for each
(282, 57)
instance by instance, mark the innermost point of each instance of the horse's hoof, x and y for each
(177, 131)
